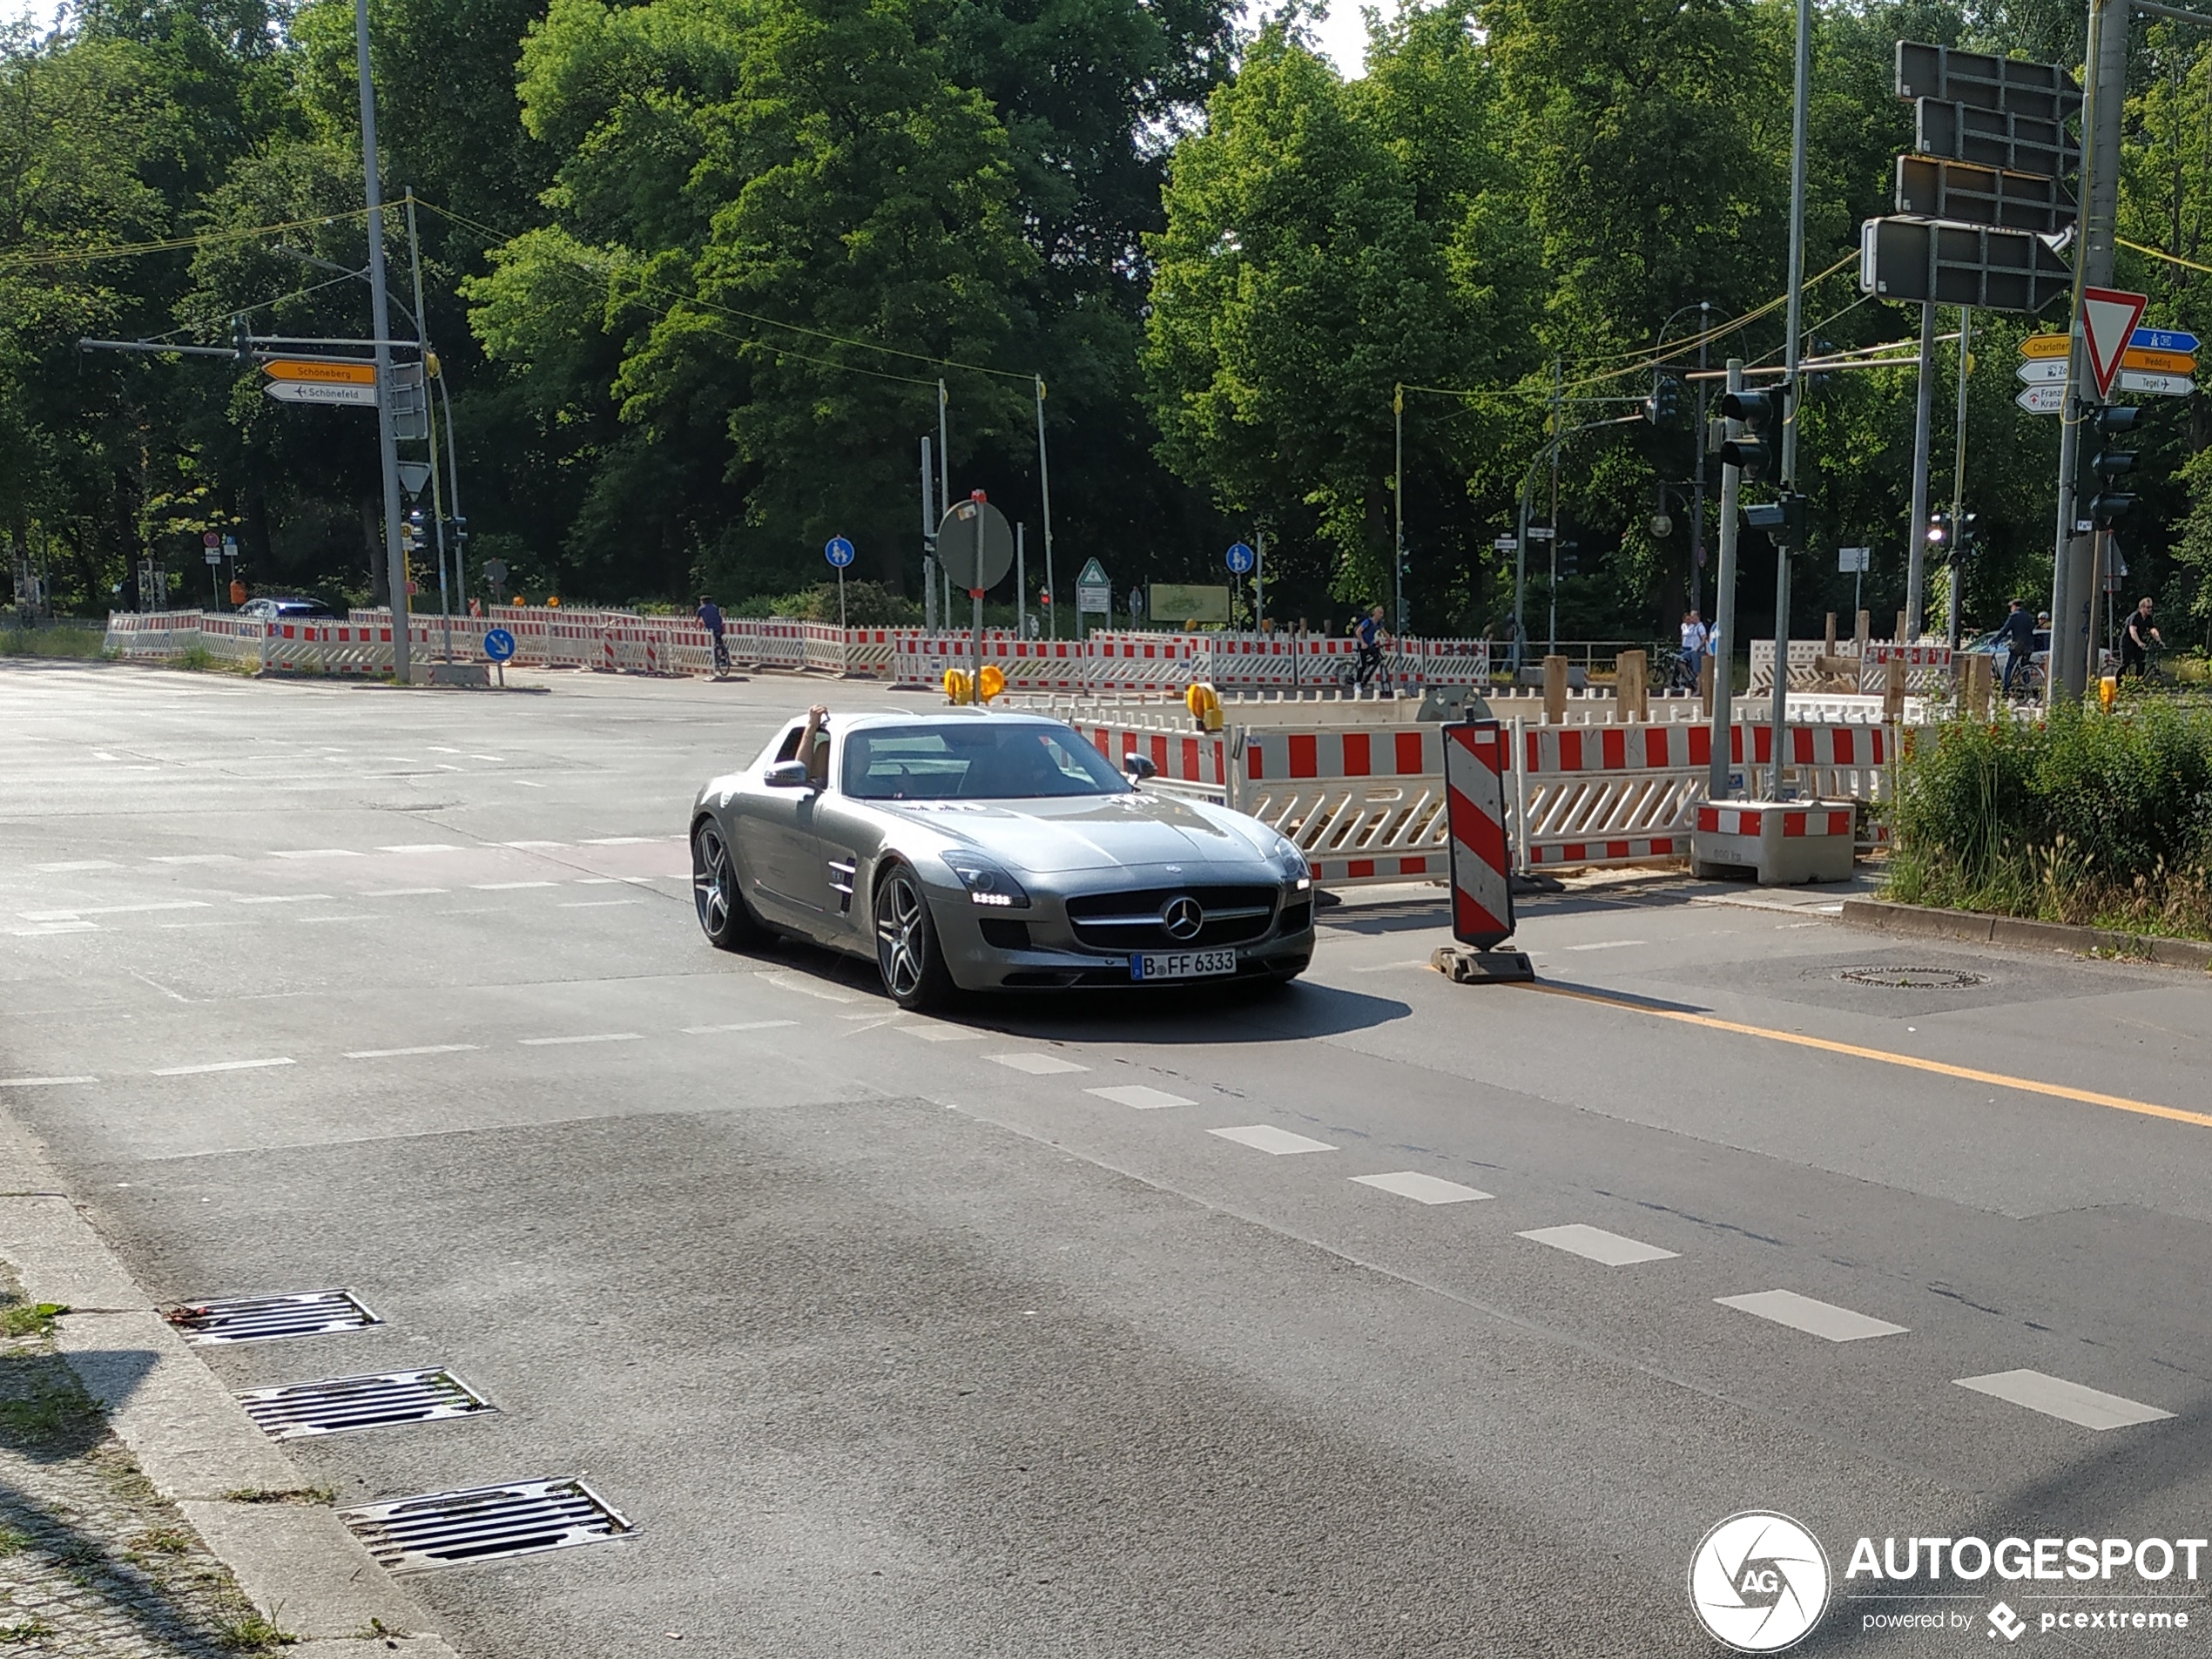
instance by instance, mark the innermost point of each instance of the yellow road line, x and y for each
(1994, 1079)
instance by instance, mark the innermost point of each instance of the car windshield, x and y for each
(978, 760)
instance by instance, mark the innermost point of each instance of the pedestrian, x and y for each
(2136, 640)
(1372, 636)
(710, 616)
(1695, 637)
(2017, 635)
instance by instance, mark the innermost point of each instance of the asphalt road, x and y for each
(1028, 1331)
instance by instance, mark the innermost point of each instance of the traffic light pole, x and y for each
(437, 495)
(380, 328)
(1916, 552)
(1697, 485)
(1716, 783)
(1959, 544)
(1792, 353)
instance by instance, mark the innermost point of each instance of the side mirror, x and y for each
(786, 775)
(1138, 767)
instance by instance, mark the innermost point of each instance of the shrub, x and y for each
(2082, 817)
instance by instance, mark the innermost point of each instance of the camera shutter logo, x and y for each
(1758, 1582)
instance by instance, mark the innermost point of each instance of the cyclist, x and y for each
(2017, 635)
(1695, 638)
(2136, 640)
(710, 616)
(1372, 637)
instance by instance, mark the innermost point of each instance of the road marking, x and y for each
(783, 983)
(597, 882)
(1139, 1097)
(742, 1025)
(48, 929)
(502, 759)
(423, 846)
(74, 865)
(278, 898)
(1266, 1137)
(592, 904)
(220, 1065)
(318, 852)
(1037, 1065)
(532, 846)
(2055, 1397)
(310, 920)
(394, 1054)
(614, 840)
(1815, 1319)
(510, 886)
(524, 783)
(41, 1082)
(942, 1033)
(400, 893)
(1605, 944)
(1598, 1244)
(198, 858)
(596, 1036)
(1392, 967)
(1422, 1189)
(111, 910)
(1825, 1045)
(102, 754)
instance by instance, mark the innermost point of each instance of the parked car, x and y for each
(284, 608)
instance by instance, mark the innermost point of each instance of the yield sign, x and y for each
(2109, 320)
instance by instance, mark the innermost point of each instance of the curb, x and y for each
(1922, 922)
(297, 1562)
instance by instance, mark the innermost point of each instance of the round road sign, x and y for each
(1240, 558)
(975, 546)
(837, 551)
(499, 644)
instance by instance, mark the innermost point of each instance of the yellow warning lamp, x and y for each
(2107, 691)
(956, 689)
(993, 681)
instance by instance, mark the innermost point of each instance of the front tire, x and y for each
(717, 891)
(906, 951)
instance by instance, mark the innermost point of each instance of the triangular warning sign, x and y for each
(2109, 320)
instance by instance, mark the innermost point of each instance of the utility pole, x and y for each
(1959, 481)
(1716, 779)
(1557, 434)
(1792, 415)
(437, 495)
(1697, 481)
(379, 311)
(928, 547)
(944, 484)
(1044, 489)
(1398, 501)
(1916, 551)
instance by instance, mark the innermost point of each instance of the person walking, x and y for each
(1372, 636)
(1695, 638)
(2136, 640)
(2017, 635)
(710, 616)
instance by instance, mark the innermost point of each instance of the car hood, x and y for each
(1052, 837)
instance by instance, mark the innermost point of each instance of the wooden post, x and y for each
(1828, 647)
(1631, 687)
(1555, 690)
(1865, 629)
(1899, 635)
(1705, 665)
(1978, 688)
(1893, 689)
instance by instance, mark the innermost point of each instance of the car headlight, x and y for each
(1294, 861)
(987, 883)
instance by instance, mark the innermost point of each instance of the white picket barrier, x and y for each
(1031, 665)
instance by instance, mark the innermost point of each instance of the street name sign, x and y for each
(2159, 363)
(2156, 385)
(2046, 346)
(317, 392)
(329, 371)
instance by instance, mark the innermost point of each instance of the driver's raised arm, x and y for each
(813, 745)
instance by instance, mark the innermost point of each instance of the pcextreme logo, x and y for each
(1759, 1581)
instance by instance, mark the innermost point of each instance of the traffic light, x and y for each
(1961, 548)
(2110, 505)
(411, 529)
(1665, 401)
(1763, 412)
(1939, 536)
(456, 531)
(241, 342)
(1783, 518)
(1570, 562)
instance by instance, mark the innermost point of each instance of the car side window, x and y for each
(788, 749)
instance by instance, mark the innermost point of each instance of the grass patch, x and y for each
(53, 642)
(282, 1494)
(29, 1630)
(253, 1633)
(162, 1540)
(2097, 819)
(30, 1319)
(13, 1539)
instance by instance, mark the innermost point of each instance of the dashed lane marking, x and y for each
(1139, 1097)
(111, 910)
(1815, 1319)
(533, 847)
(422, 847)
(1037, 1065)
(1597, 1244)
(1266, 1137)
(741, 1025)
(783, 983)
(198, 858)
(222, 1065)
(2055, 1397)
(41, 1082)
(400, 893)
(1422, 1189)
(1605, 944)
(395, 1054)
(1911, 1063)
(280, 898)
(510, 886)
(593, 904)
(594, 1036)
(941, 1033)
(319, 853)
(73, 864)
(614, 840)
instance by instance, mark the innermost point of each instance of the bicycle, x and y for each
(1355, 677)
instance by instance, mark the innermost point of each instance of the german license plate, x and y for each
(1182, 964)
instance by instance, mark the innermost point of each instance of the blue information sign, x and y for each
(1240, 558)
(837, 551)
(2162, 339)
(499, 644)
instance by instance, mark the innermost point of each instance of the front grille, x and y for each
(298, 1410)
(264, 1319)
(1005, 935)
(484, 1523)
(1131, 921)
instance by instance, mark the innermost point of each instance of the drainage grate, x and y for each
(298, 1410)
(1914, 979)
(265, 1318)
(484, 1523)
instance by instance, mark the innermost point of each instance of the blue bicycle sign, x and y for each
(837, 551)
(1240, 558)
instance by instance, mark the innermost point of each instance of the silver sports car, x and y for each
(966, 850)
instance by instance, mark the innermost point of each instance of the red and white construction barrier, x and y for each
(1477, 755)
(1785, 842)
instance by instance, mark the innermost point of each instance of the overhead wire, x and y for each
(169, 245)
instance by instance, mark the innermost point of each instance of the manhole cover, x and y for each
(1914, 979)
(484, 1523)
(265, 1318)
(298, 1410)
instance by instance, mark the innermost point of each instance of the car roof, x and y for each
(860, 721)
